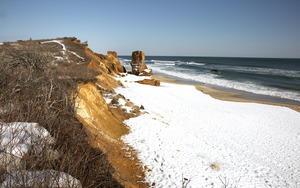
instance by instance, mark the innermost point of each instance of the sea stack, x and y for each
(138, 64)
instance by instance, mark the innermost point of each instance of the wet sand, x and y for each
(226, 95)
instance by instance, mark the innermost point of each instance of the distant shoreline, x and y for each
(230, 95)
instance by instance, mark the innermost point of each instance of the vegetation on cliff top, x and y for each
(35, 85)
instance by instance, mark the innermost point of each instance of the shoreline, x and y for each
(225, 95)
(199, 138)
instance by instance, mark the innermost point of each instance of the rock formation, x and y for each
(108, 63)
(138, 64)
(151, 82)
(104, 120)
(113, 58)
(113, 53)
(214, 71)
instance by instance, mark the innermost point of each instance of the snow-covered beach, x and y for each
(188, 137)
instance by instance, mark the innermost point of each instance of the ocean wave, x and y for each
(277, 72)
(162, 62)
(167, 64)
(194, 63)
(123, 59)
(251, 87)
(261, 71)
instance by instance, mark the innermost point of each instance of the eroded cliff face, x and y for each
(95, 112)
(106, 63)
(39, 81)
(100, 111)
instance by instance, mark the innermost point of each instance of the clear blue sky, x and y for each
(248, 28)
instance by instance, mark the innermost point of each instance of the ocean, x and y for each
(268, 79)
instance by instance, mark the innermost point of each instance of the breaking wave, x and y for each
(247, 86)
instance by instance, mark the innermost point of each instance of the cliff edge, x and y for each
(31, 91)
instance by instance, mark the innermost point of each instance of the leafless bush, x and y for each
(226, 184)
(33, 91)
(185, 181)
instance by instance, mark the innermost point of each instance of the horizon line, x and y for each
(218, 56)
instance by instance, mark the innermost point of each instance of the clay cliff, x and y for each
(98, 107)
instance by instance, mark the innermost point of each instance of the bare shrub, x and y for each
(33, 91)
(185, 181)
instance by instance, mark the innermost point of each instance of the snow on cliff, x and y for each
(58, 42)
(16, 139)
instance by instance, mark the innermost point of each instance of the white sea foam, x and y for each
(162, 61)
(167, 64)
(193, 137)
(123, 59)
(243, 86)
(193, 63)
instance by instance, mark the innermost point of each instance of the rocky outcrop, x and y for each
(138, 64)
(109, 63)
(94, 111)
(102, 112)
(112, 57)
(75, 40)
(214, 71)
(151, 82)
(112, 53)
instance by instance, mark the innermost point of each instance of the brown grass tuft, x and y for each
(215, 166)
(32, 89)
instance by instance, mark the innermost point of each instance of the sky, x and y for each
(227, 28)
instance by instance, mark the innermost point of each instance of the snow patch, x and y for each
(107, 98)
(77, 55)
(58, 42)
(206, 140)
(44, 178)
(18, 138)
(132, 78)
(58, 58)
(122, 102)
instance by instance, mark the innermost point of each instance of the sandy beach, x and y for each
(226, 95)
(188, 137)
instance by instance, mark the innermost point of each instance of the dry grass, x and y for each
(33, 90)
(215, 166)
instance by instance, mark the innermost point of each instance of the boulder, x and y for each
(138, 64)
(214, 71)
(151, 82)
(113, 53)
